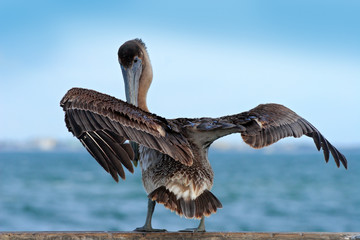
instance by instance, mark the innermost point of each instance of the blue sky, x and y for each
(209, 59)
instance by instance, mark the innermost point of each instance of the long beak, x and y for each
(131, 77)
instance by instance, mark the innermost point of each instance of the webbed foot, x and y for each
(192, 230)
(200, 228)
(147, 226)
(148, 229)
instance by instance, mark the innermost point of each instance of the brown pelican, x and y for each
(172, 152)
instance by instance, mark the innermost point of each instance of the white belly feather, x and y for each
(184, 183)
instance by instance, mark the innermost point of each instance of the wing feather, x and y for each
(98, 159)
(109, 155)
(103, 123)
(268, 123)
(271, 122)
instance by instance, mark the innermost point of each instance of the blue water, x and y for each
(259, 192)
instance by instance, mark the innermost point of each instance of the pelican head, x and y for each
(137, 71)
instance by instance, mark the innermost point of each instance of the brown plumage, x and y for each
(172, 152)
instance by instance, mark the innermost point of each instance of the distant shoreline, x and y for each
(72, 145)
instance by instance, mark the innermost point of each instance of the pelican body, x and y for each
(173, 153)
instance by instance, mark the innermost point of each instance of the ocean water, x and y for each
(57, 191)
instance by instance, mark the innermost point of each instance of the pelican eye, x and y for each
(135, 60)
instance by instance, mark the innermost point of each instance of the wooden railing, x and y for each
(174, 235)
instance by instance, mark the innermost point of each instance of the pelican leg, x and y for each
(200, 228)
(147, 226)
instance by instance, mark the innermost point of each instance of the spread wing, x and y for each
(268, 123)
(261, 127)
(103, 123)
